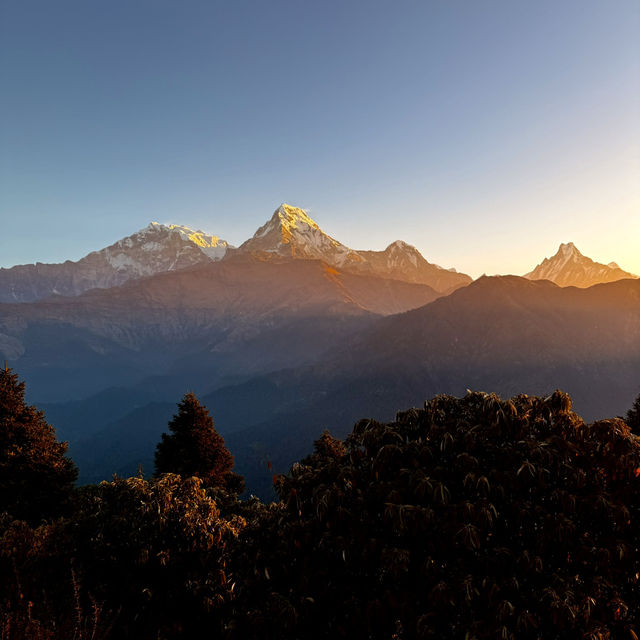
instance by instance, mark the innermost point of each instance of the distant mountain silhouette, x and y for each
(240, 316)
(503, 334)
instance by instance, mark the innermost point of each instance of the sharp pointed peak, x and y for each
(568, 248)
(290, 215)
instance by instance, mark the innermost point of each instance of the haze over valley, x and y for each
(319, 320)
(293, 332)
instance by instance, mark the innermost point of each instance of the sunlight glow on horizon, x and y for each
(484, 136)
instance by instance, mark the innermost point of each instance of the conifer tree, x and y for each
(195, 448)
(36, 478)
(633, 416)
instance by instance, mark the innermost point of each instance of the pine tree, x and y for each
(36, 478)
(195, 448)
(633, 416)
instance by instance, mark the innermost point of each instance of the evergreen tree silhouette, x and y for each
(36, 478)
(195, 448)
(633, 416)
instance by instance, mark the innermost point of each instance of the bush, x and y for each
(471, 518)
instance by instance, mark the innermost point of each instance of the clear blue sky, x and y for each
(485, 133)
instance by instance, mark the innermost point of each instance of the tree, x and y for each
(633, 416)
(36, 478)
(195, 448)
(474, 517)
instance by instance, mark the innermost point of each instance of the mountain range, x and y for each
(504, 334)
(154, 249)
(289, 233)
(293, 332)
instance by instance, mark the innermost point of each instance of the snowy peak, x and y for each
(160, 247)
(402, 261)
(292, 218)
(154, 249)
(212, 246)
(569, 267)
(287, 221)
(291, 232)
(399, 254)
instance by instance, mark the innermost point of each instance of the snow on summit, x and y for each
(154, 249)
(569, 267)
(291, 232)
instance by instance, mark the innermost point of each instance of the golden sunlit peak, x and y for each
(212, 246)
(292, 217)
(199, 237)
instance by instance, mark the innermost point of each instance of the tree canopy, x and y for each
(36, 478)
(474, 517)
(194, 448)
(470, 518)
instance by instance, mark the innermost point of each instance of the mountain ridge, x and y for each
(569, 267)
(154, 249)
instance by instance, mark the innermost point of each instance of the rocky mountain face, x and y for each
(239, 315)
(291, 232)
(568, 267)
(402, 261)
(154, 249)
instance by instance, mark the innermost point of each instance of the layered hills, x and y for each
(240, 315)
(500, 333)
(293, 332)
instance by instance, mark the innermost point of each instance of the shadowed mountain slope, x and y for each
(503, 334)
(239, 316)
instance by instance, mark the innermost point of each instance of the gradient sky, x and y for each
(484, 133)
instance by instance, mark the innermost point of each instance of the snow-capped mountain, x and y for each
(402, 261)
(211, 246)
(292, 233)
(569, 267)
(154, 249)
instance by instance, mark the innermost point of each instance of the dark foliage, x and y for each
(195, 448)
(36, 479)
(471, 518)
(153, 551)
(633, 416)
(139, 559)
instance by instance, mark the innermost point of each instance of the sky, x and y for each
(483, 133)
